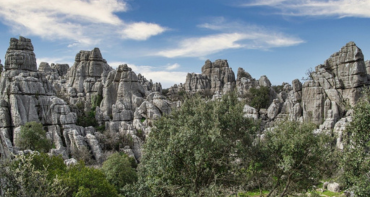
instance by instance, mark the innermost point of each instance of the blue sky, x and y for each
(165, 39)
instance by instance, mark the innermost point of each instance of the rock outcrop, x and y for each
(52, 93)
(215, 77)
(127, 104)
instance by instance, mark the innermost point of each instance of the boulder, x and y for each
(334, 187)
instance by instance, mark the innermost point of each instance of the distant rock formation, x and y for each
(127, 104)
(123, 102)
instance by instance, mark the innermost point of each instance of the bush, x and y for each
(278, 88)
(43, 175)
(54, 165)
(194, 151)
(356, 159)
(118, 170)
(83, 181)
(165, 91)
(33, 137)
(87, 119)
(82, 154)
(95, 101)
(21, 177)
(297, 157)
(259, 98)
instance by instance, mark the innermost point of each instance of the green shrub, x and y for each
(95, 101)
(259, 98)
(356, 159)
(85, 181)
(24, 176)
(165, 91)
(54, 165)
(278, 88)
(118, 170)
(297, 157)
(87, 119)
(193, 150)
(33, 137)
(82, 154)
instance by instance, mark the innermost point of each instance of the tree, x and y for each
(259, 98)
(54, 165)
(356, 159)
(297, 156)
(84, 181)
(20, 177)
(119, 171)
(33, 137)
(195, 150)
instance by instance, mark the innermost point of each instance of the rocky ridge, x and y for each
(126, 104)
(123, 102)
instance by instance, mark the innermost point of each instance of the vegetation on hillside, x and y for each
(32, 136)
(205, 148)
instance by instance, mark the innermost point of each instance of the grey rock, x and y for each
(250, 112)
(20, 55)
(334, 187)
(273, 110)
(70, 162)
(95, 147)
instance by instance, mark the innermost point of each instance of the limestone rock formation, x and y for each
(27, 95)
(127, 104)
(215, 77)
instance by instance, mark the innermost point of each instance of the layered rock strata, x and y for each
(124, 102)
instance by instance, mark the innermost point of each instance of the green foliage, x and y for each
(95, 101)
(54, 164)
(356, 158)
(100, 128)
(140, 133)
(82, 154)
(165, 91)
(297, 156)
(87, 119)
(80, 105)
(194, 151)
(118, 170)
(20, 177)
(278, 88)
(259, 98)
(33, 137)
(42, 175)
(83, 181)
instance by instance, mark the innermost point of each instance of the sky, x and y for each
(166, 39)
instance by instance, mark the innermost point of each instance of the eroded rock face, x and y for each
(28, 94)
(215, 77)
(128, 104)
(86, 76)
(343, 70)
(20, 55)
(219, 74)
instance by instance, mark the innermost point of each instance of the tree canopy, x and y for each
(33, 137)
(195, 149)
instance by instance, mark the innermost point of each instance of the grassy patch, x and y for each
(329, 193)
(253, 193)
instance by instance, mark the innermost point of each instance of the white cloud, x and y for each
(173, 66)
(338, 8)
(84, 22)
(199, 47)
(233, 35)
(165, 77)
(141, 30)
